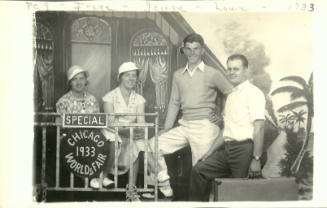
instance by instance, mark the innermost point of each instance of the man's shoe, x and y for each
(136, 198)
(148, 195)
(164, 185)
(163, 176)
(166, 191)
(108, 183)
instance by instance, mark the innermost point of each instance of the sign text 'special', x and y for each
(98, 120)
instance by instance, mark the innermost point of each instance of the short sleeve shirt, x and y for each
(69, 103)
(244, 106)
(116, 98)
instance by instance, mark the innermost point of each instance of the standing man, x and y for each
(237, 151)
(194, 91)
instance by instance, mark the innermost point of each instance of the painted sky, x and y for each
(287, 38)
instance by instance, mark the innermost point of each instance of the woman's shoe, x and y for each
(106, 182)
(95, 183)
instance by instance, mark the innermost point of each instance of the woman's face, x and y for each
(78, 82)
(129, 79)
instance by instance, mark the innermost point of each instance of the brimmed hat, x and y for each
(74, 70)
(126, 67)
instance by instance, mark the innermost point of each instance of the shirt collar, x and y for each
(77, 98)
(131, 96)
(200, 66)
(242, 86)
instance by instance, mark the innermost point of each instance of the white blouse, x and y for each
(116, 98)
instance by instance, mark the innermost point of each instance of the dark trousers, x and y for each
(233, 159)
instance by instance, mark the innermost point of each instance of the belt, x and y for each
(235, 142)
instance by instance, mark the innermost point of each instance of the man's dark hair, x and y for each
(239, 57)
(194, 37)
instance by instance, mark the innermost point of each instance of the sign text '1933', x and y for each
(84, 151)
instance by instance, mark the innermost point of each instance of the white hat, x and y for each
(74, 70)
(126, 67)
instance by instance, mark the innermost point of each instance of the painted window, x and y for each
(91, 48)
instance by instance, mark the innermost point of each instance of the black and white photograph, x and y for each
(159, 103)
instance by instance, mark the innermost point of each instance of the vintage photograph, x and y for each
(173, 106)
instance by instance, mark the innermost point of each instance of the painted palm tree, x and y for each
(287, 120)
(306, 92)
(270, 112)
(299, 117)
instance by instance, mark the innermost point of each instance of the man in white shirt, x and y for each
(237, 151)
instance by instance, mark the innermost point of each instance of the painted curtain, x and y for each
(150, 51)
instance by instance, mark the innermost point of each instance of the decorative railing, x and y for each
(49, 120)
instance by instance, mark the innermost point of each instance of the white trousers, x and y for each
(199, 134)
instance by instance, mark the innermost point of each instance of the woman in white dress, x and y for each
(124, 99)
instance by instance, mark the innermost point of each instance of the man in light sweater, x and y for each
(238, 149)
(194, 91)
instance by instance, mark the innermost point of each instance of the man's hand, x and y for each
(255, 169)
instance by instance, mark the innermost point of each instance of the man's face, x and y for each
(236, 71)
(193, 52)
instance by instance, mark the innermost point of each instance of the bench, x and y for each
(239, 189)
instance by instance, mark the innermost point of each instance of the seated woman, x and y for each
(77, 100)
(124, 99)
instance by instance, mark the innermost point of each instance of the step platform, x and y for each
(236, 189)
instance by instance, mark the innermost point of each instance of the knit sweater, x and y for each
(196, 95)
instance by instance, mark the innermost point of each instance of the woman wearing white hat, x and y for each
(77, 100)
(124, 99)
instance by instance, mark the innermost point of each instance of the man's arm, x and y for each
(216, 116)
(258, 139)
(173, 107)
(171, 116)
(222, 83)
(257, 113)
(255, 166)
